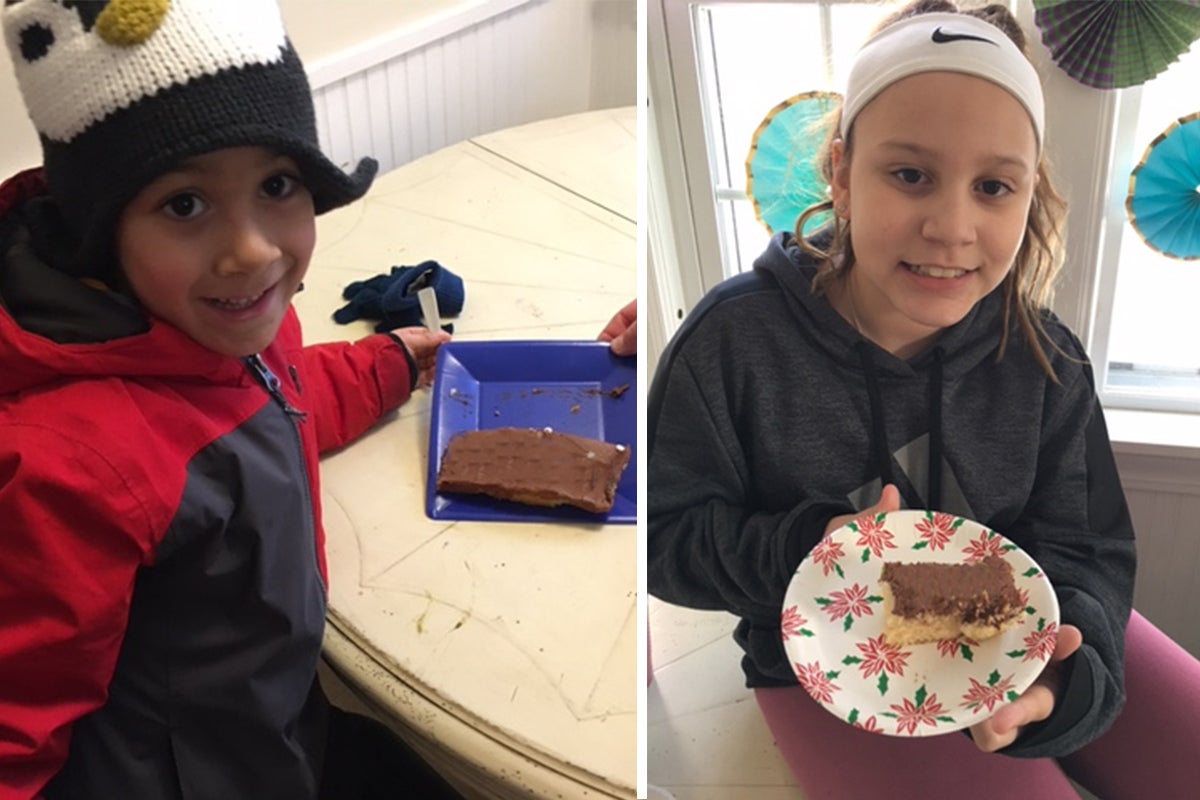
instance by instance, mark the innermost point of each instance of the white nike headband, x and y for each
(942, 43)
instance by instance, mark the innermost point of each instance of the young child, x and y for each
(163, 583)
(904, 357)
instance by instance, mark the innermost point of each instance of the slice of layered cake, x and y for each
(539, 468)
(928, 602)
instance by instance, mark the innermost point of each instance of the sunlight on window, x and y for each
(754, 56)
(1153, 341)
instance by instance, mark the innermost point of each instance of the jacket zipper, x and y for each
(272, 384)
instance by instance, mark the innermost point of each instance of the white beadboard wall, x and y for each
(487, 66)
(1163, 492)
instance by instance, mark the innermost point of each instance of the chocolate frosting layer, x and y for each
(982, 592)
(540, 468)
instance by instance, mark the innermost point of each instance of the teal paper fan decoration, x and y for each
(782, 178)
(1164, 191)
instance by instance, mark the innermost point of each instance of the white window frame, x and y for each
(1089, 126)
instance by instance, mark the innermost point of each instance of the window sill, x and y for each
(1154, 433)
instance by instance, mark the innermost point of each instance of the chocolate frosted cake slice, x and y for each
(539, 468)
(928, 602)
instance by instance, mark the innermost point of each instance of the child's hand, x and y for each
(423, 345)
(889, 500)
(621, 331)
(1034, 705)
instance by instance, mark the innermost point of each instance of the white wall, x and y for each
(399, 98)
(19, 146)
(322, 28)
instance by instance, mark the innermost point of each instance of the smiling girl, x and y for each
(904, 356)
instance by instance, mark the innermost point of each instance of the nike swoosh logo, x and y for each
(941, 38)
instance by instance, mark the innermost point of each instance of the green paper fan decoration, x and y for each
(1111, 44)
(782, 178)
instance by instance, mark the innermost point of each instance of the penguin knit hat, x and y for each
(121, 91)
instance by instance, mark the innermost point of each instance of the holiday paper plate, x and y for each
(833, 629)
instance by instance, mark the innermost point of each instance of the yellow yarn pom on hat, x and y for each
(125, 23)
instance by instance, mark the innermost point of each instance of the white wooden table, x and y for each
(504, 652)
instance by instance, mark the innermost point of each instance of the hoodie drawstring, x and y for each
(879, 443)
(935, 432)
(880, 450)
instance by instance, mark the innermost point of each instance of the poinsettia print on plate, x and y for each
(832, 627)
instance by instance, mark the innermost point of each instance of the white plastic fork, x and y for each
(429, 308)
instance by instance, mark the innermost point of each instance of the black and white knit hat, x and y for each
(120, 91)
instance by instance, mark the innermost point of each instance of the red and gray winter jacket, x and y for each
(162, 574)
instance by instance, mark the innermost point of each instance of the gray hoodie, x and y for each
(769, 414)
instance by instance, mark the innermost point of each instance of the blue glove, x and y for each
(392, 298)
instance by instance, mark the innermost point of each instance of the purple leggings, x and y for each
(1152, 751)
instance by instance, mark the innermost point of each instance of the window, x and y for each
(752, 56)
(729, 62)
(1148, 344)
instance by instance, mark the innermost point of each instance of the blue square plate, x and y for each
(567, 386)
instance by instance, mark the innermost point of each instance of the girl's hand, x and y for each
(1034, 705)
(422, 345)
(889, 500)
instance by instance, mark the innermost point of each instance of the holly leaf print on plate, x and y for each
(831, 626)
(950, 648)
(816, 681)
(923, 709)
(989, 543)
(1024, 595)
(793, 624)
(988, 695)
(848, 604)
(877, 657)
(869, 724)
(1039, 644)
(826, 553)
(936, 530)
(873, 535)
